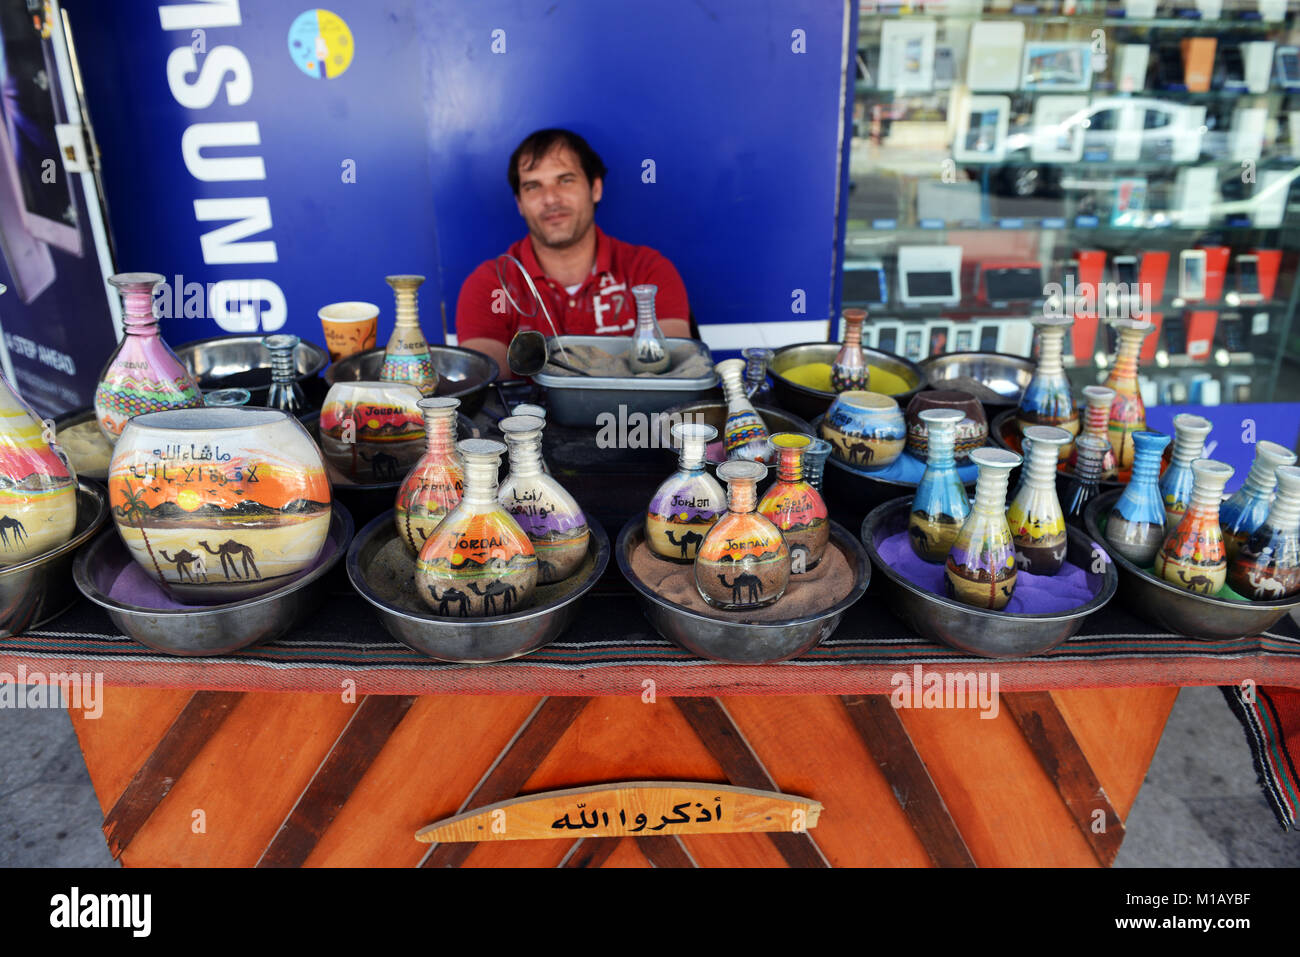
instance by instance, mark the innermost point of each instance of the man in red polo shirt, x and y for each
(584, 276)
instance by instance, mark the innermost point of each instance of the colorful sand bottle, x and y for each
(38, 492)
(1137, 523)
(285, 393)
(143, 374)
(744, 435)
(1035, 516)
(1267, 565)
(1193, 556)
(478, 561)
(849, 371)
(1047, 399)
(649, 349)
(940, 504)
(1097, 401)
(688, 502)
(1246, 510)
(743, 562)
(1190, 432)
(541, 505)
(434, 485)
(1127, 413)
(529, 408)
(794, 506)
(1084, 483)
(407, 358)
(981, 568)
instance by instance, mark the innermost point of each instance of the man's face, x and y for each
(556, 200)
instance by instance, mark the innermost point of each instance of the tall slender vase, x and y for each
(743, 562)
(407, 358)
(757, 359)
(38, 492)
(940, 504)
(1047, 400)
(649, 349)
(434, 485)
(1097, 401)
(981, 568)
(1246, 510)
(1127, 413)
(143, 374)
(794, 506)
(285, 394)
(744, 434)
(1193, 556)
(688, 502)
(1083, 485)
(1136, 525)
(1035, 516)
(1190, 432)
(849, 371)
(1267, 565)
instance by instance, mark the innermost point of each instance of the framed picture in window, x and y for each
(982, 130)
(1059, 123)
(1056, 66)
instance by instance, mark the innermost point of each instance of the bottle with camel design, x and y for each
(407, 358)
(743, 562)
(1193, 556)
(849, 371)
(1097, 401)
(433, 487)
(940, 504)
(542, 506)
(688, 502)
(38, 492)
(981, 567)
(744, 435)
(794, 506)
(1083, 485)
(649, 349)
(1267, 565)
(478, 562)
(1127, 412)
(1047, 400)
(143, 374)
(1190, 432)
(1035, 515)
(1246, 510)
(1136, 525)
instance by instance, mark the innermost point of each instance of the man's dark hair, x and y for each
(537, 145)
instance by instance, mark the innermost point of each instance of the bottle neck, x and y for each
(741, 496)
(1206, 497)
(991, 490)
(1262, 478)
(692, 456)
(137, 314)
(407, 313)
(1087, 466)
(789, 465)
(1146, 464)
(1188, 446)
(481, 480)
(1040, 465)
(1051, 342)
(941, 440)
(733, 389)
(1126, 353)
(1098, 420)
(853, 332)
(756, 361)
(525, 453)
(439, 431)
(283, 368)
(1285, 511)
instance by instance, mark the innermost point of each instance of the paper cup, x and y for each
(350, 327)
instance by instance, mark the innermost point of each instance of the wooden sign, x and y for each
(635, 807)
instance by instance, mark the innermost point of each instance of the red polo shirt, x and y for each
(603, 305)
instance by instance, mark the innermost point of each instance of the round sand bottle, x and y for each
(1047, 399)
(1035, 516)
(38, 491)
(1137, 523)
(1246, 510)
(434, 485)
(743, 562)
(744, 434)
(849, 371)
(794, 506)
(981, 568)
(407, 358)
(940, 504)
(143, 374)
(688, 502)
(478, 561)
(1193, 556)
(541, 505)
(1267, 565)
(285, 394)
(1083, 485)
(1097, 401)
(649, 349)
(1176, 484)
(529, 408)
(1127, 413)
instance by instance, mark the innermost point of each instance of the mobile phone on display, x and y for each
(1248, 278)
(1191, 274)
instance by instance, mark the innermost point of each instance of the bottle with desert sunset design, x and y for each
(649, 349)
(38, 492)
(1137, 524)
(743, 562)
(1190, 432)
(1035, 516)
(1047, 400)
(478, 561)
(1193, 556)
(1267, 565)
(1246, 510)
(435, 484)
(981, 567)
(1127, 412)
(794, 506)
(543, 508)
(407, 358)
(940, 504)
(743, 434)
(849, 371)
(1097, 400)
(688, 502)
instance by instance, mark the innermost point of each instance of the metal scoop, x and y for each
(529, 350)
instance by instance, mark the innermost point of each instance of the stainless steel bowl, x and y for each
(34, 591)
(719, 638)
(810, 403)
(383, 572)
(1197, 616)
(226, 362)
(978, 631)
(209, 629)
(1000, 373)
(81, 417)
(714, 412)
(463, 374)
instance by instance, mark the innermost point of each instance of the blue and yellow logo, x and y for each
(320, 43)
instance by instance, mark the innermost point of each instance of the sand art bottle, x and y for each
(757, 359)
(285, 394)
(1246, 510)
(649, 349)
(529, 408)
(1083, 485)
(940, 504)
(744, 434)
(743, 562)
(1096, 422)
(542, 506)
(849, 371)
(1127, 413)
(434, 485)
(794, 506)
(688, 502)
(1193, 556)
(38, 492)
(407, 358)
(1047, 399)
(1035, 516)
(1267, 565)
(1137, 523)
(981, 568)
(1176, 484)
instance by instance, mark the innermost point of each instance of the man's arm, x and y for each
(495, 349)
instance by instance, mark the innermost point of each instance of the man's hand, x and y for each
(495, 349)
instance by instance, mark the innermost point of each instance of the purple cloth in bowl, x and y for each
(1067, 590)
(134, 586)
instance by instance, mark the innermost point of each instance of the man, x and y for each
(584, 276)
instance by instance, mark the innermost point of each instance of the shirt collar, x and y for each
(604, 257)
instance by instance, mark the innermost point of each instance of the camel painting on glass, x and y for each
(372, 432)
(38, 495)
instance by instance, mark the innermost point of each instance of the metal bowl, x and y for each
(809, 403)
(1197, 616)
(199, 630)
(81, 417)
(382, 570)
(1001, 374)
(463, 374)
(226, 362)
(34, 591)
(979, 631)
(714, 412)
(727, 639)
